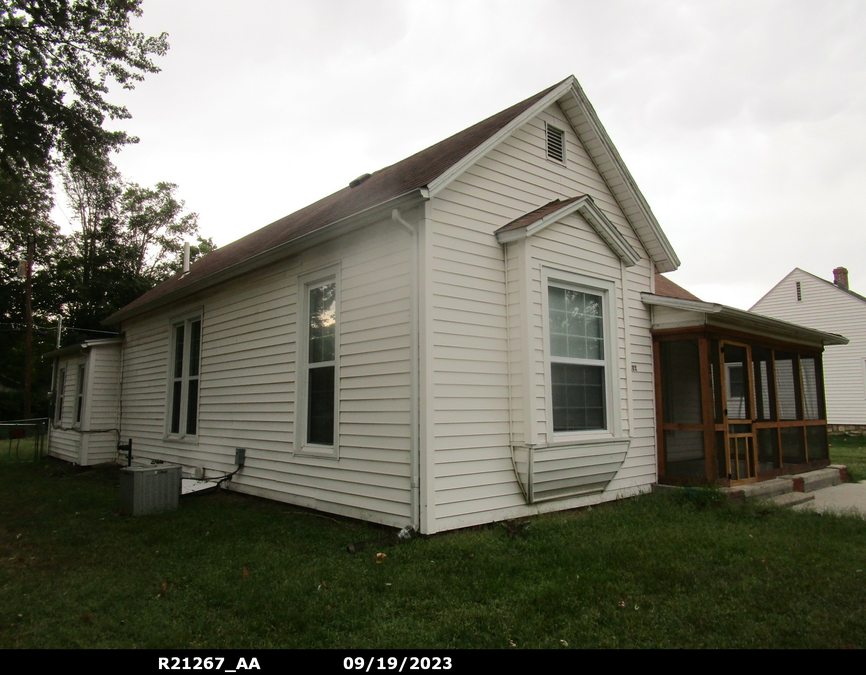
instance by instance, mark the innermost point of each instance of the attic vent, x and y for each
(555, 143)
(359, 180)
(799, 293)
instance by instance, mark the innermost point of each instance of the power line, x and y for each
(22, 326)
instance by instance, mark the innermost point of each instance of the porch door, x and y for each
(741, 459)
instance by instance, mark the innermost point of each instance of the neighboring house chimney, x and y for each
(840, 278)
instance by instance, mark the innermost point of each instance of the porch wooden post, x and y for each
(711, 461)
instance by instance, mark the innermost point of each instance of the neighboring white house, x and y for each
(811, 301)
(86, 420)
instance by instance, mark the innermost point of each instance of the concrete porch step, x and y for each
(791, 499)
(815, 480)
(778, 489)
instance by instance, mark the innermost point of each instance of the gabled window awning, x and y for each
(535, 221)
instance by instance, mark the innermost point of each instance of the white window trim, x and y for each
(186, 320)
(547, 127)
(607, 290)
(305, 283)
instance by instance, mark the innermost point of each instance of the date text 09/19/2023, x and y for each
(392, 663)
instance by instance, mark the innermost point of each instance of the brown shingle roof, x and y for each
(534, 216)
(669, 289)
(410, 174)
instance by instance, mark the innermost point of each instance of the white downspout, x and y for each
(414, 405)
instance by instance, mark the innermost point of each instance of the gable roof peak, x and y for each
(416, 177)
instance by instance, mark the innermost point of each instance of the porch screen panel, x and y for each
(809, 382)
(786, 383)
(716, 381)
(768, 449)
(681, 382)
(684, 454)
(763, 384)
(793, 445)
(736, 383)
(816, 439)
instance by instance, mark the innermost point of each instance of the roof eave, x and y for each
(445, 178)
(82, 347)
(283, 250)
(668, 261)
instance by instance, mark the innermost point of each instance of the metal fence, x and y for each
(24, 440)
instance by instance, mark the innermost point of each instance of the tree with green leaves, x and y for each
(127, 239)
(57, 59)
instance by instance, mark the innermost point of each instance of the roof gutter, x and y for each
(81, 347)
(329, 231)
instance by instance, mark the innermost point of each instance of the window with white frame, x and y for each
(61, 395)
(319, 359)
(579, 357)
(79, 399)
(184, 384)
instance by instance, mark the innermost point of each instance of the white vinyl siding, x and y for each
(828, 308)
(248, 381)
(65, 443)
(92, 437)
(103, 399)
(475, 331)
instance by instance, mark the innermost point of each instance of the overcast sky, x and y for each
(743, 123)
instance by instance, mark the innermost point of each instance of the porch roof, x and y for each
(682, 313)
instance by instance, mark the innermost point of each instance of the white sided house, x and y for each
(455, 339)
(811, 301)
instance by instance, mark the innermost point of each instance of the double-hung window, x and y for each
(579, 357)
(79, 399)
(319, 358)
(184, 383)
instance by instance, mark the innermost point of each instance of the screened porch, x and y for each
(739, 397)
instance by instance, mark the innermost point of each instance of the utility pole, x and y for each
(28, 337)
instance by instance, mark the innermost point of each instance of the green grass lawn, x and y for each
(229, 571)
(850, 451)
